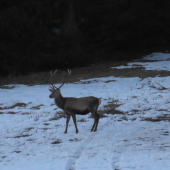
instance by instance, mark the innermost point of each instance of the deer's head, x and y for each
(55, 92)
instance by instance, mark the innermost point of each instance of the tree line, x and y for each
(39, 35)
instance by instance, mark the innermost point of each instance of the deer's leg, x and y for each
(93, 125)
(97, 121)
(67, 121)
(75, 123)
(94, 111)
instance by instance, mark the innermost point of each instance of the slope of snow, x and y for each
(163, 64)
(157, 56)
(31, 139)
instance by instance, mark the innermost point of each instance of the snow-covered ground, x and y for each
(31, 140)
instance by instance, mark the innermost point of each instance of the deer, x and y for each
(74, 106)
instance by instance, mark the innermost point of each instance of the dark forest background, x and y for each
(40, 35)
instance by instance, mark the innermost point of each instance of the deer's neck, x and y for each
(60, 101)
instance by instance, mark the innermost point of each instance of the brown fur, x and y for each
(81, 106)
(72, 106)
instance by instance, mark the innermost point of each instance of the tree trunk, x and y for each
(70, 28)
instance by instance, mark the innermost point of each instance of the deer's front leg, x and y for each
(67, 121)
(74, 120)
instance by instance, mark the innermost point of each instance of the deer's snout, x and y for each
(50, 96)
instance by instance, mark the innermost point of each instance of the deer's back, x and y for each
(81, 105)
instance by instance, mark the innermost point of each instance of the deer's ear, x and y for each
(50, 90)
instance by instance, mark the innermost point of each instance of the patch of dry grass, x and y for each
(57, 141)
(81, 120)
(30, 128)
(75, 139)
(25, 113)
(159, 88)
(46, 124)
(110, 108)
(22, 136)
(37, 107)
(13, 106)
(57, 116)
(164, 117)
(17, 151)
(110, 81)
(7, 87)
(91, 71)
(11, 112)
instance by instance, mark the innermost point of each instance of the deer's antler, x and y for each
(52, 86)
(69, 72)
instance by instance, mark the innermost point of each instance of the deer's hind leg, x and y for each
(74, 120)
(96, 121)
(95, 124)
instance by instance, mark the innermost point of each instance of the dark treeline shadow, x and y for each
(40, 35)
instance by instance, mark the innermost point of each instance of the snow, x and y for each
(148, 65)
(156, 64)
(157, 56)
(30, 140)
